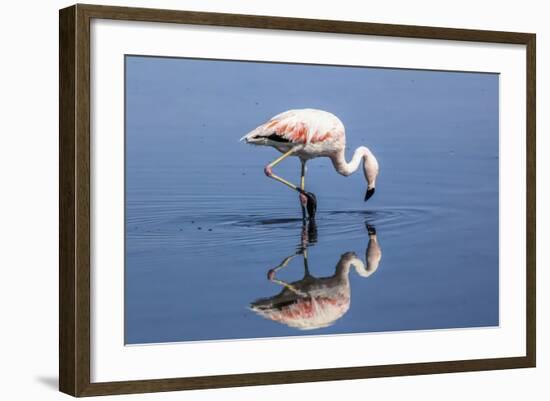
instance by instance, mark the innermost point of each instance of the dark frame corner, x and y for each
(74, 199)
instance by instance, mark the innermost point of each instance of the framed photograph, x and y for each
(250, 200)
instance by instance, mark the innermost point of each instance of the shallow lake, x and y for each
(205, 227)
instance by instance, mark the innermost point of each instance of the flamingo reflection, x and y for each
(312, 302)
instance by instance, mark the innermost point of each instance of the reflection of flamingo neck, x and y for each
(346, 262)
(373, 256)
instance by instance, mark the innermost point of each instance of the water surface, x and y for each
(204, 226)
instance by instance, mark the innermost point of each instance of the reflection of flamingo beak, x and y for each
(369, 193)
(370, 229)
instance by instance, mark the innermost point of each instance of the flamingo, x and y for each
(316, 302)
(307, 134)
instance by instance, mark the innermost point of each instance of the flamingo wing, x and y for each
(298, 127)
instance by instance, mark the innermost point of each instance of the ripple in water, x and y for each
(213, 229)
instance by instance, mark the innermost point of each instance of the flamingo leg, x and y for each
(308, 200)
(268, 170)
(303, 177)
(303, 198)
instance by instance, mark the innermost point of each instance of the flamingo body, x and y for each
(312, 303)
(313, 133)
(322, 301)
(307, 134)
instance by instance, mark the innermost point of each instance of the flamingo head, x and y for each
(371, 170)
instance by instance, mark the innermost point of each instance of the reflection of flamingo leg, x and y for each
(306, 266)
(289, 286)
(284, 263)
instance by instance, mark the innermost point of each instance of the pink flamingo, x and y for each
(315, 302)
(307, 134)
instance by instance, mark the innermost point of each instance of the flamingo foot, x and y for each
(311, 204)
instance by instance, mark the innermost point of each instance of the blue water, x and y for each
(204, 226)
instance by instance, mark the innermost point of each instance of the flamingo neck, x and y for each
(370, 164)
(345, 168)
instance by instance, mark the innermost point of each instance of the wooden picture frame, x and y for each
(74, 203)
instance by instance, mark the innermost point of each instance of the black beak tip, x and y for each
(369, 194)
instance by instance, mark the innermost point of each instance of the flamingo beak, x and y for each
(369, 193)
